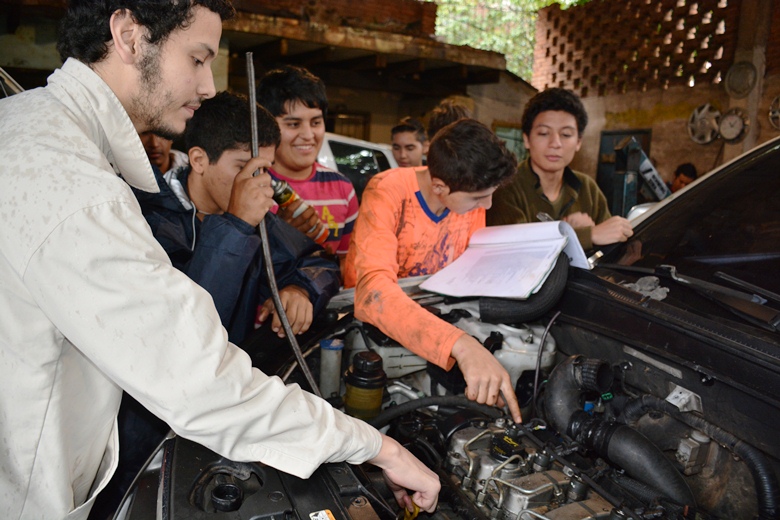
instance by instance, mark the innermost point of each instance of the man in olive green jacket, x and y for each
(553, 122)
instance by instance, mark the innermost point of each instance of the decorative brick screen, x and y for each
(618, 46)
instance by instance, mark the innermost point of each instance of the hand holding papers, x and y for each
(508, 261)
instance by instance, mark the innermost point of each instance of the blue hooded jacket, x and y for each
(223, 254)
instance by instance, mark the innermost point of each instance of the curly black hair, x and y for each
(555, 99)
(467, 156)
(84, 31)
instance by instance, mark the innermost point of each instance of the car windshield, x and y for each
(726, 226)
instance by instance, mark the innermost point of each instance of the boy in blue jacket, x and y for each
(206, 218)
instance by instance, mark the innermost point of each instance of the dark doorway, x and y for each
(606, 167)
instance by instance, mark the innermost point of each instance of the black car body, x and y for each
(712, 344)
(661, 398)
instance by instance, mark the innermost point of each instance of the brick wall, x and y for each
(619, 46)
(410, 17)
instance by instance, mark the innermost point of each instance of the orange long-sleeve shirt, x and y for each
(397, 236)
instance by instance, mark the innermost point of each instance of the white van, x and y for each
(357, 159)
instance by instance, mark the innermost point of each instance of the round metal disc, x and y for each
(703, 124)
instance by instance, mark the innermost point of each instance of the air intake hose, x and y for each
(619, 443)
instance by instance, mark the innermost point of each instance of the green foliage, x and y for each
(505, 26)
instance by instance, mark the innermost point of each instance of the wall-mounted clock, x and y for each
(703, 124)
(734, 125)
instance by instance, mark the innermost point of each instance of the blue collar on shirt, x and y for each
(431, 215)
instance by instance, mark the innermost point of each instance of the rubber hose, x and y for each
(624, 446)
(767, 489)
(641, 490)
(645, 462)
(505, 310)
(565, 384)
(267, 260)
(456, 401)
(430, 450)
(269, 270)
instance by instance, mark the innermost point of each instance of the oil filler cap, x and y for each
(505, 444)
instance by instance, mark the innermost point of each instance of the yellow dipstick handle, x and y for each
(411, 515)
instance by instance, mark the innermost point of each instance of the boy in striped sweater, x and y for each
(296, 98)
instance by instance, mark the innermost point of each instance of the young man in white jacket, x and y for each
(90, 304)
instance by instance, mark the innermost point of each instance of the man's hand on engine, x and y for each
(486, 379)
(403, 471)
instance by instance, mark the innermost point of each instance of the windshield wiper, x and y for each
(750, 306)
(766, 293)
(697, 283)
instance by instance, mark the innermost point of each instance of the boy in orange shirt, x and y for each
(415, 221)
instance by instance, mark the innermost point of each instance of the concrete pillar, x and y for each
(754, 25)
(220, 66)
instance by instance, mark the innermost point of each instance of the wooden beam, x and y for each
(373, 41)
(379, 81)
(362, 63)
(456, 73)
(310, 58)
(270, 51)
(461, 74)
(405, 68)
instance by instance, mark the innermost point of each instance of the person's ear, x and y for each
(199, 160)
(126, 35)
(579, 142)
(425, 145)
(526, 140)
(439, 187)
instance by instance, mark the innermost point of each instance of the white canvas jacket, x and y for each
(90, 304)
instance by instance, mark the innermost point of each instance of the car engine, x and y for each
(606, 435)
